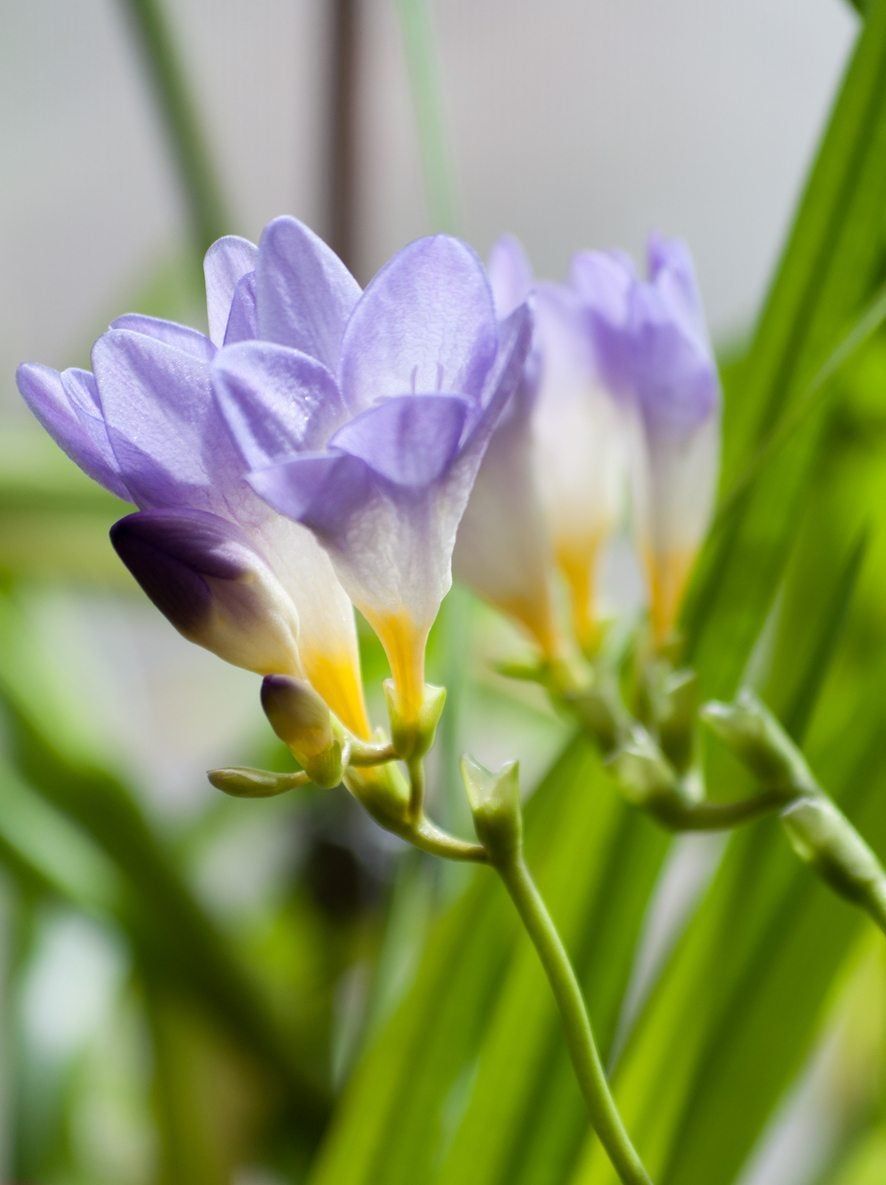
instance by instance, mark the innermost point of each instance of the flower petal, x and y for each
(304, 293)
(224, 265)
(425, 323)
(502, 549)
(243, 321)
(170, 441)
(604, 282)
(411, 440)
(510, 274)
(182, 337)
(675, 375)
(321, 490)
(66, 406)
(672, 272)
(275, 400)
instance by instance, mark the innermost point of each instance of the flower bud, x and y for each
(242, 782)
(204, 576)
(301, 719)
(823, 838)
(759, 742)
(643, 774)
(495, 804)
(414, 736)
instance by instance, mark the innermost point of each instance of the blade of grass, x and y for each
(173, 95)
(831, 265)
(421, 60)
(53, 757)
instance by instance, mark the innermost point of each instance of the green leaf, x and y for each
(831, 266)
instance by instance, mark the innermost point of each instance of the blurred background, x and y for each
(187, 984)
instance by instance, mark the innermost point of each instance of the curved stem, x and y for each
(717, 816)
(431, 838)
(416, 768)
(589, 1070)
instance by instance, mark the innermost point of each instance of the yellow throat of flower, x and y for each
(336, 678)
(667, 574)
(404, 642)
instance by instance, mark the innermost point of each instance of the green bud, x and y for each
(525, 672)
(495, 804)
(759, 742)
(301, 719)
(414, 737)
(676, 718)
(242, 782)
(642, 771)
(823, 838)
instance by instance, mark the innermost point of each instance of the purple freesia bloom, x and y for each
(653, 345)
(368, 417)
(229, 573)
(551, 488)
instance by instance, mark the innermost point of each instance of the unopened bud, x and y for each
(759, 742)
(242, 782)
(301, 719)
(823, 838)
(413, 737)
(642, 771)
(495, 804)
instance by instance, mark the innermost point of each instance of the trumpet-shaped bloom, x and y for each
(551, 488)
(367, 420)
(229, 573)
(653, 344)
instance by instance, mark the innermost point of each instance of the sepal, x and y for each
(494, 798)
(414, 736)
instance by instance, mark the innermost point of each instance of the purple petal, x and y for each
(605, 281)
(226, 262)
(504, 378)
(425, 323)
(510, 274)
(672, 271)
(167, 434)
(65, 404)
(304, 293)
(321, 490)
(675, 375)
(181, 337)
(410, 440)
(275, 401)
(243, 321)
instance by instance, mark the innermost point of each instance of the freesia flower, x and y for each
(228, 572)
(367, 420)
(652, 343)
(551, 489)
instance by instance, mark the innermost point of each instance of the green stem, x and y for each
(589, 1071)
(716, 816)
(416, 769)
(196, 172)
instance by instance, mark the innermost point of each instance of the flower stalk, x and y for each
(495, 802)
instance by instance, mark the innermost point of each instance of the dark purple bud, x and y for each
(204, 576)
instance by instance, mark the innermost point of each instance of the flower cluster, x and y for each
(322, 448)
(619, 404)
